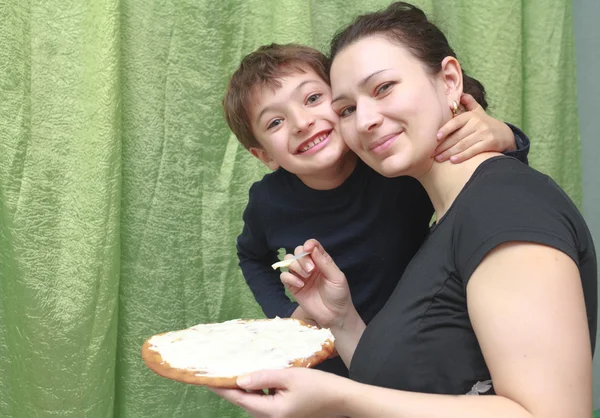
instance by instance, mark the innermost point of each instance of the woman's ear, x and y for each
(265, 157)
(452, 77)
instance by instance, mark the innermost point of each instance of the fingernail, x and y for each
(309, 267)
(299, 283)
(244, 380)
(439, 158)
(439, 136)
(453, 159)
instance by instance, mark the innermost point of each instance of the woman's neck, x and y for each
(444, 181)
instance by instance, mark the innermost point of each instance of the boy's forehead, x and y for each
(289, 79)
(279, 90)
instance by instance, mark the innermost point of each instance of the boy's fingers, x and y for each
(453, 125)
(448, 143)
(453, 139)
(458, 148)
(470, 152)
(469, 102)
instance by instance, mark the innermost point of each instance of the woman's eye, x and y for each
(274, 123)
(383, 88)
(313, 98)
(347, 111)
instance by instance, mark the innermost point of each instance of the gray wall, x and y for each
(586, 15)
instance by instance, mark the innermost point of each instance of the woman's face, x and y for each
(390, 108)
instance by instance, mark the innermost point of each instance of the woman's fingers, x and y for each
(255, 402)
(301, 266)
(264, 379)
(291, 280)
(324, 262)
(305, 263)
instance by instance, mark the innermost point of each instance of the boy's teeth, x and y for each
(313, 143)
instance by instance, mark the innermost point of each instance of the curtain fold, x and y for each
(60, 174)
(121, 188)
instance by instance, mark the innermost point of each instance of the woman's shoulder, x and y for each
(505, 181)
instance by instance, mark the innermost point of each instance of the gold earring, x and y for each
(454, 108)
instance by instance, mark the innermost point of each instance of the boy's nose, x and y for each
(304, 120)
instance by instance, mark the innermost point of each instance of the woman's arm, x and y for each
(347, 335)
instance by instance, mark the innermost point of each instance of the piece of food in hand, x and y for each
(216, 354)
(286, 263)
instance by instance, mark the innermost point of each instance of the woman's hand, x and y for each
(319, 286)
(293, 393)
(472, 133)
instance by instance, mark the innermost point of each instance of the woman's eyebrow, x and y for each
(361, 83)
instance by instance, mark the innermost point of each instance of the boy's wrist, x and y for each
(512, 143)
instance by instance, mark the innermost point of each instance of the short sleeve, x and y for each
(512, 205)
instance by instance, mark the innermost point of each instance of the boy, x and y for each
(278, 105)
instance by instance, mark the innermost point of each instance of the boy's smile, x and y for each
(314, 143)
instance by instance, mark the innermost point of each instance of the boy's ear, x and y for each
(265, 157)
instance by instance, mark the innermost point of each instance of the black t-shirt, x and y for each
(422, 340)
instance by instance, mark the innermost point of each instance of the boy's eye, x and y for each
(313, 98)
(347, 111)
(383, 88)
(274, 123)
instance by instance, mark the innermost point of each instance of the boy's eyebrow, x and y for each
(361, 84)
(298, 87)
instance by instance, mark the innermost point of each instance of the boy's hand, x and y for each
(472, 133)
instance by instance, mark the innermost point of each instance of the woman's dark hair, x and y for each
(406, 24)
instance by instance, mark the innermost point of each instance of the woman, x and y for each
(501, 298)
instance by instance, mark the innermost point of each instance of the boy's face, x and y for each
(296, 126)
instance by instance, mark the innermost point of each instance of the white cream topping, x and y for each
(236, 347)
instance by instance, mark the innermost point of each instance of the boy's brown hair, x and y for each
(265, 67)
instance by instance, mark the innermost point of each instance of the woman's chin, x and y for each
(396, 167)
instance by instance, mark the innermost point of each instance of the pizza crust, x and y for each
(155, 362)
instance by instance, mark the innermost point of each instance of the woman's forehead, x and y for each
(361, 60)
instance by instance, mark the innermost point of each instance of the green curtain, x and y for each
(121, 189)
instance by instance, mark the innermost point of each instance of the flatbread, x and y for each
(216, 354)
